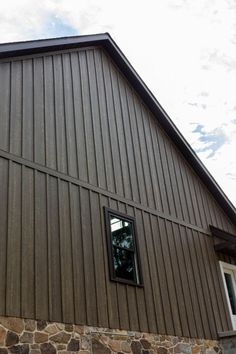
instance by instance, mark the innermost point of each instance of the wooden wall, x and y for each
(75, 137)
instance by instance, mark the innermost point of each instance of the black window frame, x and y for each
(138, 274)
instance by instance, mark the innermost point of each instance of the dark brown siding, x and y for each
(64, 261)
(75, 113)
(75, 137)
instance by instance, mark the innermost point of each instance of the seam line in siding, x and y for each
(62, 176)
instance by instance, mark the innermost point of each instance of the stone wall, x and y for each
(23, 336)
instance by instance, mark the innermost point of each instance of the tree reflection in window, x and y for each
(122, 247)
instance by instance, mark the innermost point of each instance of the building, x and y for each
(114, 238)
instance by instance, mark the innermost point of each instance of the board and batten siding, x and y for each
(75, 137)
(53, 261)
(75, 113)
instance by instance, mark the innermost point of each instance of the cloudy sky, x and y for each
(184, 50)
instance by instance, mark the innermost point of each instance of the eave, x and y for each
(224, 242)
(104, 40)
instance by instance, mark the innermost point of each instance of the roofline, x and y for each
(50, 44)
(106, 41)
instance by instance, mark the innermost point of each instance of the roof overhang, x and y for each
(224, 242)
(105, 40)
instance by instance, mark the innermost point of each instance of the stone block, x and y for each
(145, 343)
(84, 342)
(196, 349)
(20, 349)
(99, 348)
(3, 351)
(61, 346)
(61, 337)
(26, 337)
(47, 348)
(2, 336)
(34, 346)
(60, 326)
(79, 329)
(162, 350)
(11, 338)
(183, 348)
(115, 345)
(30, 325)
(136, 347)
(13, 324)
(68, 327)
(73, 345)
(41, 325)
(52, 328)
(40, 337)
(125, 347)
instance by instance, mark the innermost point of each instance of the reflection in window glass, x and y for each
(124, 264)
(121, 233)
(122, 248)
(231, 292)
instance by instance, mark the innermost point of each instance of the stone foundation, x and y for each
(22, 336)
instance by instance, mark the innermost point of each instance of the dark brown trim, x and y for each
(224, 242)
(223, 234)
(227, 334)
(62, 176)
(49, 45)
(131, 219)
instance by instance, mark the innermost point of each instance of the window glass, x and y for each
(124, 264)
(122, 233)
(122, 247)
(231, 292)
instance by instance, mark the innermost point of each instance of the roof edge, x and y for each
(105, 40)
(50, 44)
(173, 132)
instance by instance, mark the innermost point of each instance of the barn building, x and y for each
(114, 238)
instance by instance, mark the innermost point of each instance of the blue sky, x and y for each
(211, 141)
(55, 27)
(184, 50)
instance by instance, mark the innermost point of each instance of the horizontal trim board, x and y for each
(227, 334)
(62, 176)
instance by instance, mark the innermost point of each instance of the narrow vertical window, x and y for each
(229, 279)
(122, 248)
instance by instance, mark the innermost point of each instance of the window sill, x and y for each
(127, 282)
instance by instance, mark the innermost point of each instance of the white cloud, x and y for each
(184, 50)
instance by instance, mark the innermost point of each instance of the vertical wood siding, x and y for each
(79, 138)
(74, 112)
(53, 262)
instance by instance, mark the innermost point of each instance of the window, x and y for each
(229, 277)
(122, 248)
